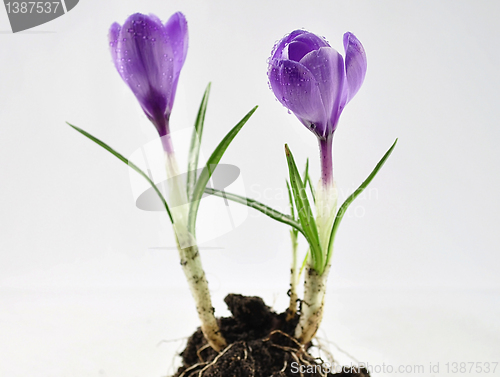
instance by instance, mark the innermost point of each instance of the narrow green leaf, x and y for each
(305, 213)
(306, 172)
(268, 211)
(129, 163)
(290, 199)
(292, 209)
(304, 262)
(209, 168)
(194, 149)
(307, 179)
(311, 187)
(354, 195)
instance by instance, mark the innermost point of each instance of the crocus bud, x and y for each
(309, 78)
(149, 57)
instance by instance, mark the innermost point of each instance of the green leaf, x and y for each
(268, 211)
(305, 213)
(311, 187)
(307, 179)
(209, 168)
(306, 172)
(194, 149)
(129, 163)
(354, 195)
(292, 209)
(304, 262)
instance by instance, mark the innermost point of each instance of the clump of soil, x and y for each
(260, 344)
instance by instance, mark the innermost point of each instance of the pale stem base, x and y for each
(312, 306)
(190, 256)
(294, 280)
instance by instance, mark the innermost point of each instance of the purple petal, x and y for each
(280, 49)
(177, 32)
(296, 88)
(327, 67)
(312, 40)
(113, 35)
(297, 50)
(355, 65)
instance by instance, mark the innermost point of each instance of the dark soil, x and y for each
(261, 344)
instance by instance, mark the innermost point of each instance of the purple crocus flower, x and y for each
(309, 78)
(149, 57)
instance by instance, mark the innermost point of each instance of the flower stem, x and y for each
(189, 253)
(325, 150)
(315, 283)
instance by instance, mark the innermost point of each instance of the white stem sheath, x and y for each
(315, 284)
(326, 209)
(190, 256)
(294, 279)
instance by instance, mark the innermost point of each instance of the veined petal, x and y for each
(177, 32)
(296, 88)
(355, 64)
(280, 50)
(327, 67)
(297, 50)
(312, 40)
(113, 35)
(304, 44)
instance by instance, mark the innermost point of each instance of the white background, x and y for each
(85, 289)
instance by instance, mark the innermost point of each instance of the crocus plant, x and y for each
(309, 77)
(313, 81)
(149, 56)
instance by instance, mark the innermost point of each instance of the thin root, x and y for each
(200, 350)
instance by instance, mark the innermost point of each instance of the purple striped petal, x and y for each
(296, 88)
(327, 67)
(177, 32)
(280, 50)
(114, 34)
(355, 65)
